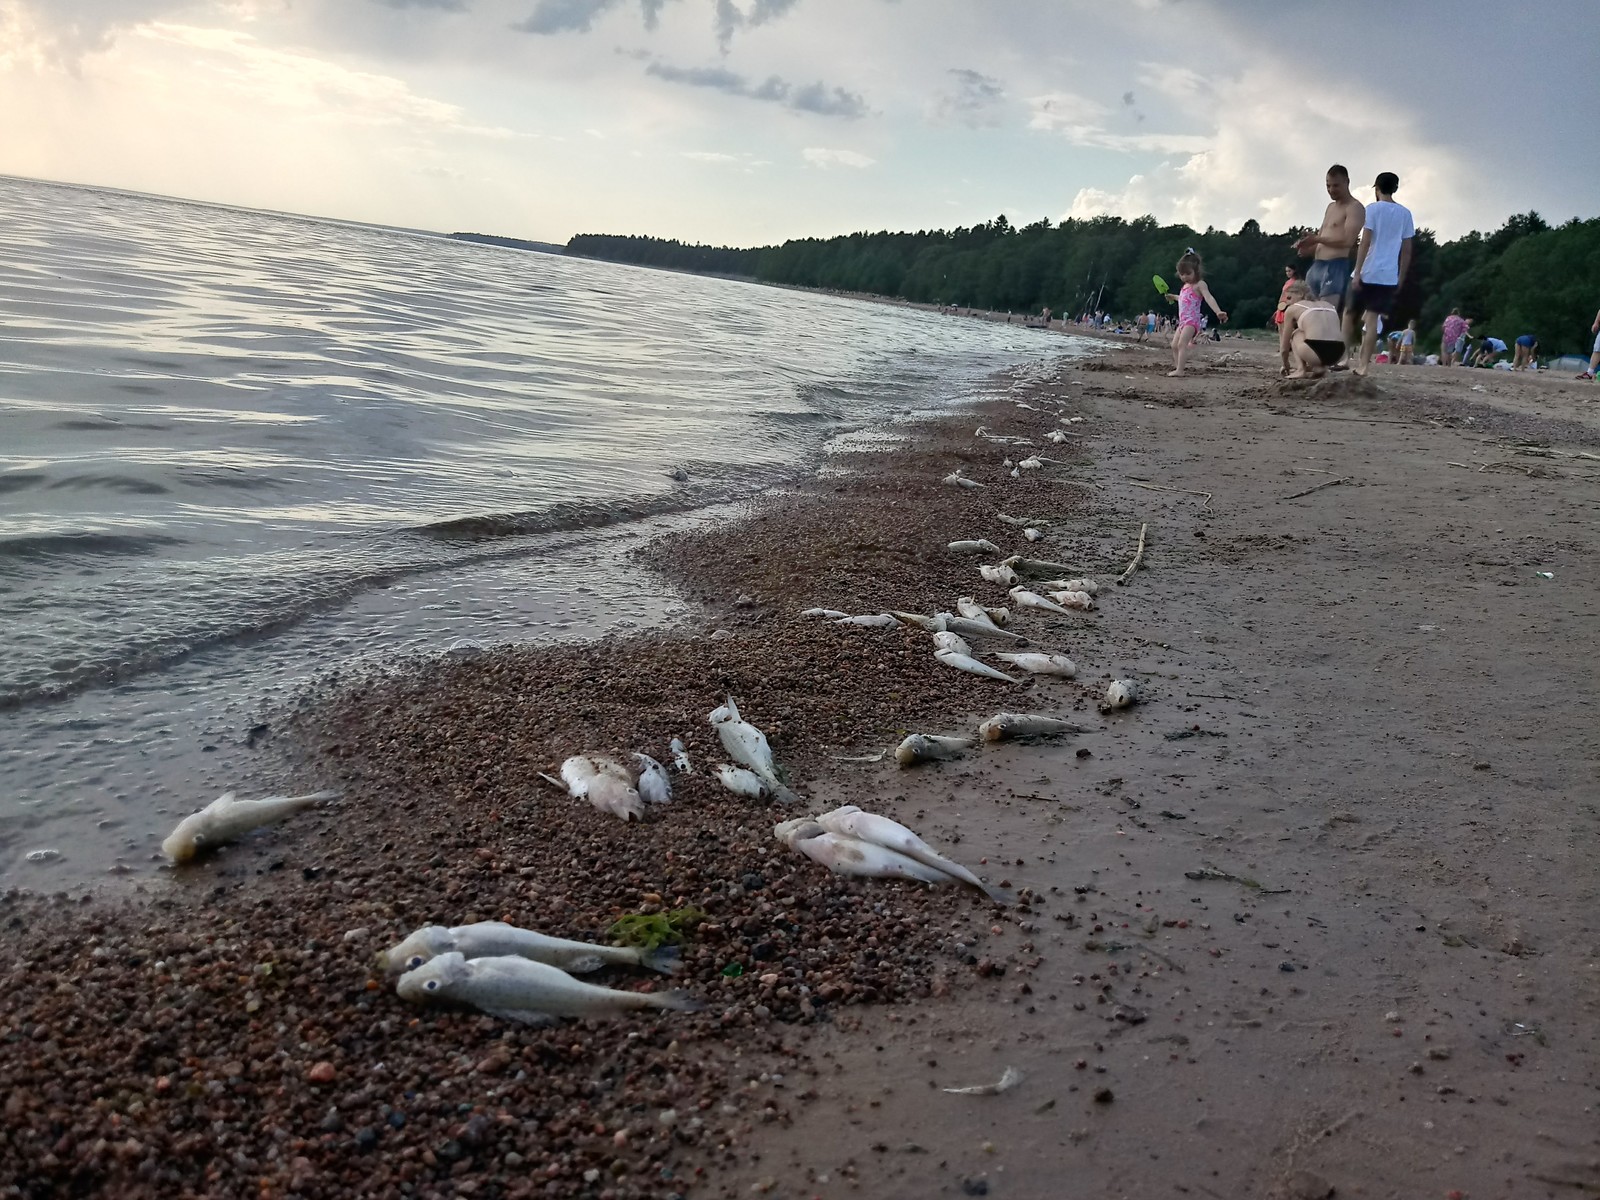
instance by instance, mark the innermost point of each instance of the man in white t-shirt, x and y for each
(1382, 260)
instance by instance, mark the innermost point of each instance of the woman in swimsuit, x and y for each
(1189, 310)
(1309, 341)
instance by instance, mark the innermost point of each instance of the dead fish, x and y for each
(1055, 435)
(680, 756)
(1033, 535)
(1009, 1078)
(1018, 727)
(748, 747)
(1003, 575)
(956, 479)
(952, 642)
(1016, 473)
(519, 989)
(742, 782)
(1020, 522)
(978, 546)
(1026, 599)
(967, 627)
(226, 819)
(851, 821)
(965, 662)
(931, 624)
(833, 614)
(870, 621)
(1069, 599)
(1032, 463)
(968, 607)
(1122, 693)
(850, 856)
(654, 784)
(1006, 464)
(930, 747)
(1067, 585)
(611, 791)
(1038, 663)
(496, 939)
(1036, 568)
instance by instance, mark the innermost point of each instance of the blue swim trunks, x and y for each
(1328, 278)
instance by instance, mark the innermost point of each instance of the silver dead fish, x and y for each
(869, 621)
(851, 821)
(833, 614)
(965, 662)
(1023, 727)
(742, 782)
(1042, 664)
(1074, 599)
(604, 783)
(496, 939)
(519, 989)
(748, 747)
(1122, 693)
(1026, 599)
(654, 784)
(227, 819)
(1036, 568)
(850, 856)
(956, 479)
(930, 747)
(1004, 575)
(977, 546)
(680, 756)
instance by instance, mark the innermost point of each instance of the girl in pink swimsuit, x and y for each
(1189, 310)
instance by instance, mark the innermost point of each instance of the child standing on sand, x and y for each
(1189, 310)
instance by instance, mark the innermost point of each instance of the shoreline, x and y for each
(126, 1029)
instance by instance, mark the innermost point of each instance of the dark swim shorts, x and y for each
(1329, 351)
(1328, 278)
(1373, 298)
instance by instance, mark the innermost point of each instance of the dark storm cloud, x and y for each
(817, 98)
(974, 99)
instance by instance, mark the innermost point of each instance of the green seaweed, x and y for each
(651, 931)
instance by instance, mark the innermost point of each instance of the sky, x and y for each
(746, 122)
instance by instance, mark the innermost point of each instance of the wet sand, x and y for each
(1362, 704)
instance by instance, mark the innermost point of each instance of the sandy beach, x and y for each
(1316, 917)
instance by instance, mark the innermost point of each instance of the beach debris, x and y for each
(742, 782)
(1021, 522)
(859, 758)
(679, 474)
(1023, 598)
(1033, 535)
(844, 855)
(227, 818)
(1039, 663)
(1009, 1078)
(1138, 555)
(1055, 435)
(952, 642)
(1122, 693)
(833, 614)
(748, 747)
(969, 607)
(604, 783)
(649, 932)
(1022, 727)
(1032, 463)
(852, 821)
(1006, 464)
(931, 747)
(1068, 585)
(975, 546)
(680, 756)
(496, 939)
(965, 662)
(1073, 599)
(1071, 420)
(1016, 473)
(1326, 484)
(869, 621)
(653, 783)
(957, 479)
(1003, 574)
(44, 855)
(1036, 568)
(519, 989)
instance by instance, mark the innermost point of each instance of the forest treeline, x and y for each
(1525, 277)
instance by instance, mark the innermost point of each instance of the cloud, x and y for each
(717, 158)
(819, 157)
(442, 5)
(62, 34)
(729, 18)
(564, 16)
(1245, 167)
(1082, 122)
(973, 99)
(817, 98)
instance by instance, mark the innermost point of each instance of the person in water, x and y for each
(1188, 300)
(1310, 339)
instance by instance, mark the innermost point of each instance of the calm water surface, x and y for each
(240, 450)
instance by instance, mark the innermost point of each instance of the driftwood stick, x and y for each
(1137, 555)
(1319, 487)
(1156, 487)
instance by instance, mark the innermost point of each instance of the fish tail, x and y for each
(319, 797)
(674, 1001)
(783, 794)
(995, 894)
(666, 959)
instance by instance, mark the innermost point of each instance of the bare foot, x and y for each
(1296, 375)
(1174, 374)
(1358, 372)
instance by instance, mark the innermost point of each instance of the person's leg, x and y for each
(1369, 342)
(1181, 342)
(1305, 361)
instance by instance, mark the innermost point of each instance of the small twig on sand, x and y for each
(1338, 1125)
(1329, 483)
(1156, 487)
(552, 781)
(1137, 555)
(1558, 1181)
(1210, 696)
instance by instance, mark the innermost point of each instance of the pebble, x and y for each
(322, 1072)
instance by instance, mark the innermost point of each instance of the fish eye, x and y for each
(415, 961)
(432, 985)
(199, 839)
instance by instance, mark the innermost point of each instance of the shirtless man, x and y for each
(1328, 278)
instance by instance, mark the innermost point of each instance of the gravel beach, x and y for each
(1313, 918)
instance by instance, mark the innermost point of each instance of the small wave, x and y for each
(45, 546)
(130, 484)
(790, 417)
(16, 481)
